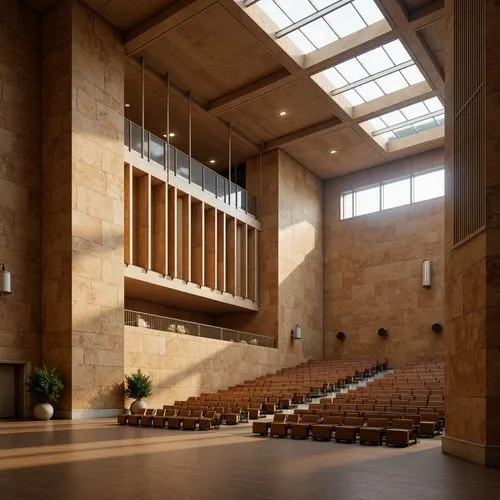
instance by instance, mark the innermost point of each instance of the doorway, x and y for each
(8, 391)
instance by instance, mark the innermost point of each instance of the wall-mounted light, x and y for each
(426, 273)
(340, 335)
(5, 284)
(296, 332)
(437, 328)
(382, 332)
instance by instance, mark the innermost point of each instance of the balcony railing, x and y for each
(171, 325)
(156, 150)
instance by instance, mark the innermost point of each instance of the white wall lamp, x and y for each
(5, 284)
(426, 273)
(297, 332)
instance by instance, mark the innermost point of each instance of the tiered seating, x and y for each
(263, 396)
(274, 392)
(408, 402)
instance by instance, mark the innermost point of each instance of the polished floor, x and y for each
(97, 460)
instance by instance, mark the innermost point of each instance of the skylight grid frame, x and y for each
(314, 17)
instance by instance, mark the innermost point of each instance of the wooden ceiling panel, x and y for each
(209, 140)
(211, 54)
(434, 36)
(353, 153)
(261, 120)
(416, 4)
(126, 14)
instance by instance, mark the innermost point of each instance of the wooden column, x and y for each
(221, 251)
(243, 264)
(253, 264)
(186, 238)
(231, 260)
(172, 232)
(144, 221)
(160, 218)
(211, 247)
(198, 242)
(129, 214)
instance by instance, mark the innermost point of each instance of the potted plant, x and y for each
(137, 387)
(44, 386)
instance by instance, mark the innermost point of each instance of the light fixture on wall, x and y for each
(426, 273)
(5, 284)
(297, 332)
(382, 332)
(437, 328)
(340, 335)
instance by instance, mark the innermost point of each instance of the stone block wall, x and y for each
(372, 270)
(20, 181)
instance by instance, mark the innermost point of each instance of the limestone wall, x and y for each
(372, 270)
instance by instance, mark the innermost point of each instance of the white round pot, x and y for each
(137, 405)
(43, 411)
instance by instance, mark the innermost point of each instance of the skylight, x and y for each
(312, 24)
(371, 75)
(410, 120)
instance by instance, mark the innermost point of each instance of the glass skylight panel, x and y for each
(275, 13)
(302, 42)
(439, 119)
(412, 75)
(393, 118)
(369, 91)
(296, 10)
(319, 33)
(415, 110)
(375, 60)
(368, 10)
(353, 97)
(425, 125)
(345, 21)
(333, 76)
(392, 83)
(352, 70)
(377, 123)
(433, 104)
(404, 132)
(397, 52)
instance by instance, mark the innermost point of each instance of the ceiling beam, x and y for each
(426, 15)
(305, 133)
(396, 13)
(250, 92)
(157, 26)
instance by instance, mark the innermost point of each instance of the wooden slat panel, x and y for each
(198, 242)
(129, 215)
(469, 86)
(211, 247)
(221, 251)
(143, 211)
(172, 232)
(160, 218)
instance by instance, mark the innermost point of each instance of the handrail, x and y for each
(154, 149)
(172, 325)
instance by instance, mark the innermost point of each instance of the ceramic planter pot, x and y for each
(137, 405)
(43, 411)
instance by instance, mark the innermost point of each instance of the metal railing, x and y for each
(157, 150)
(172, 325)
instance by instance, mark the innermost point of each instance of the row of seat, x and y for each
(375, 430)
(173, 419)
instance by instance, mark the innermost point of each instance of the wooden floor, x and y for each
(94, 460)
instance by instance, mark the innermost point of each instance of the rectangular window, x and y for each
(367, 201)
(428, 186)
(392, 194)
(396, 194)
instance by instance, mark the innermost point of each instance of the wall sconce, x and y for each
(382, 332)
(5, 284)
(437, 328)
(340, 335)
(296, 332)
(426, 273)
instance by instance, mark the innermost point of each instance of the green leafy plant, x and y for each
(45, 385)
(138, 385)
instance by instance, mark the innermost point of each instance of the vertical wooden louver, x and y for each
(469, 210)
